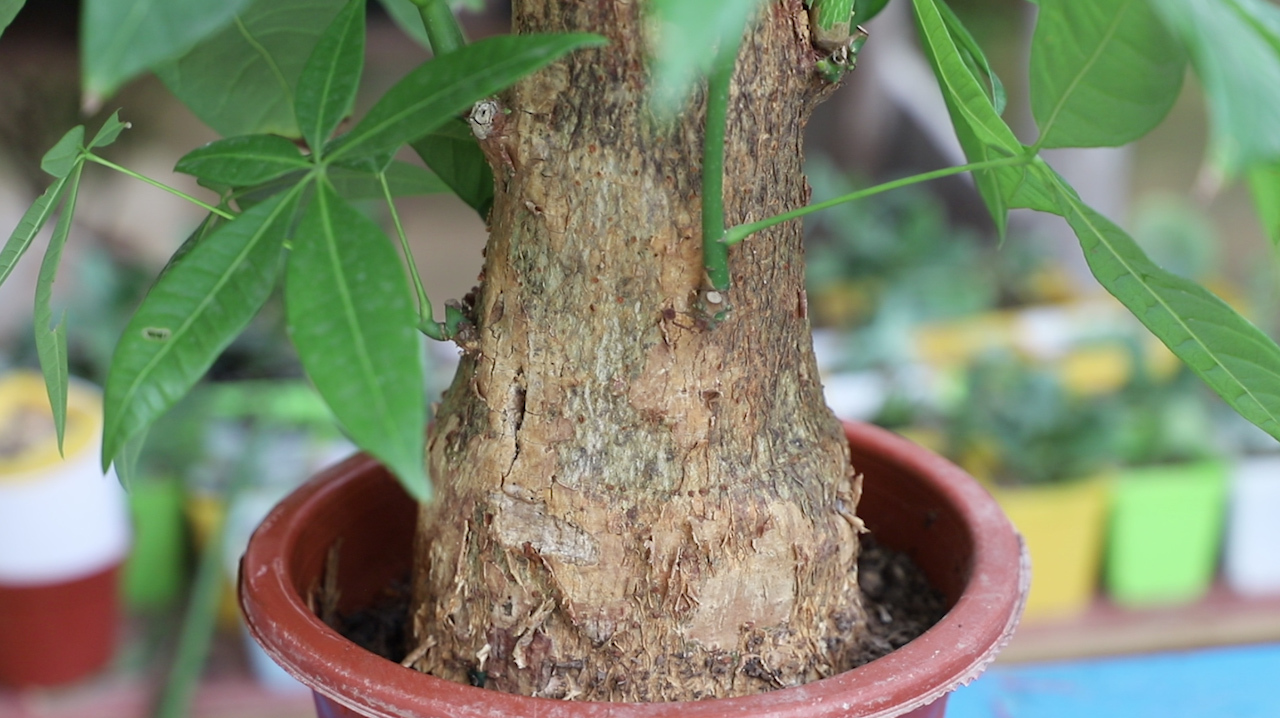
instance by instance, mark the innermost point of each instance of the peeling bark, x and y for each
(634, 505)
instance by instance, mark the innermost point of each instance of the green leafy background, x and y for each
(240, 80)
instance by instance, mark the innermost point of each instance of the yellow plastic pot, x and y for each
(1063, 525)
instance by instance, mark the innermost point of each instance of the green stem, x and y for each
(426, 314)
(443, 31)
(155, 183)
(742, 231)
(200, 620)
(715, 253)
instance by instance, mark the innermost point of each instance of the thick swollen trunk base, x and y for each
(634, 504)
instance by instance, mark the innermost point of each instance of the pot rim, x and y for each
(950, 654)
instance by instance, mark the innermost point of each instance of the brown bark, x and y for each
(634, 505)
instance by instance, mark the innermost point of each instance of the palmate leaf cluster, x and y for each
(285, 214)
(274, 76)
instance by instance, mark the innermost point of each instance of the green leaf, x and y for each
(8, 11)
(451, 151)
(198, 305)
(988, 182)
(51, 350)
(126, 461)
(982, 133)
(211, 222)
(373, 163)
(354, 184)
(243, 161)
(688, 35)
(51, 338)
(1238, 63)
(351, 317)
(973, 57)
(109, 131)
(64, 156)
(972, 107)
(1264, 16)
(440, 89)
(246, 197)
(327, 86)
(1032, 188)
(406, 15)
(240, 81)
(864, 10)
(33, 220)
(1103, 72)
(121, 38)
(1231, 355)
(1264, 183)
(403, 178)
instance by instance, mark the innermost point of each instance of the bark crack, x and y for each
(515, 412)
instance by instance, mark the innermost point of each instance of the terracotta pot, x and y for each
(914, 501)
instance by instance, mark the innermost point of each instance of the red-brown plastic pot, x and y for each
(913, 501)
(58, 633)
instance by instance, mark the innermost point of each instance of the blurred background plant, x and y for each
(1018, 425)
(877, 270)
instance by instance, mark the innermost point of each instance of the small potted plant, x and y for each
(637, 493)
(1169, 499)
(1046, 453)
(1250, 565)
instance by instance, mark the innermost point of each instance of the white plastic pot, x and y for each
(1252, 561)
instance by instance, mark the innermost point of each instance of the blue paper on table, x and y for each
(1239, 681)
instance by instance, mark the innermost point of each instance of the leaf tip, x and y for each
(417, 484)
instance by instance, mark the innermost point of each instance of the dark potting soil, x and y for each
(380, 627)
(899, 601)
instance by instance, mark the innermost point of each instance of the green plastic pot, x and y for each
(1165, 532)
(155, 570)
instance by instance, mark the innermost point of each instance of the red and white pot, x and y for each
(64, 533)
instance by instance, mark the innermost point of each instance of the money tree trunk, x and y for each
(634, 504)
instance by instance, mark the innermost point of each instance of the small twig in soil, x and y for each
(329, 591)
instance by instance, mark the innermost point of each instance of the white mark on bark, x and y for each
(847, 498)
(482, 118)
(417, 653)
(517, 523)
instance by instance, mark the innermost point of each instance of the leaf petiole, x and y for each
(160, 185)
(426, 315)
(742, 231)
